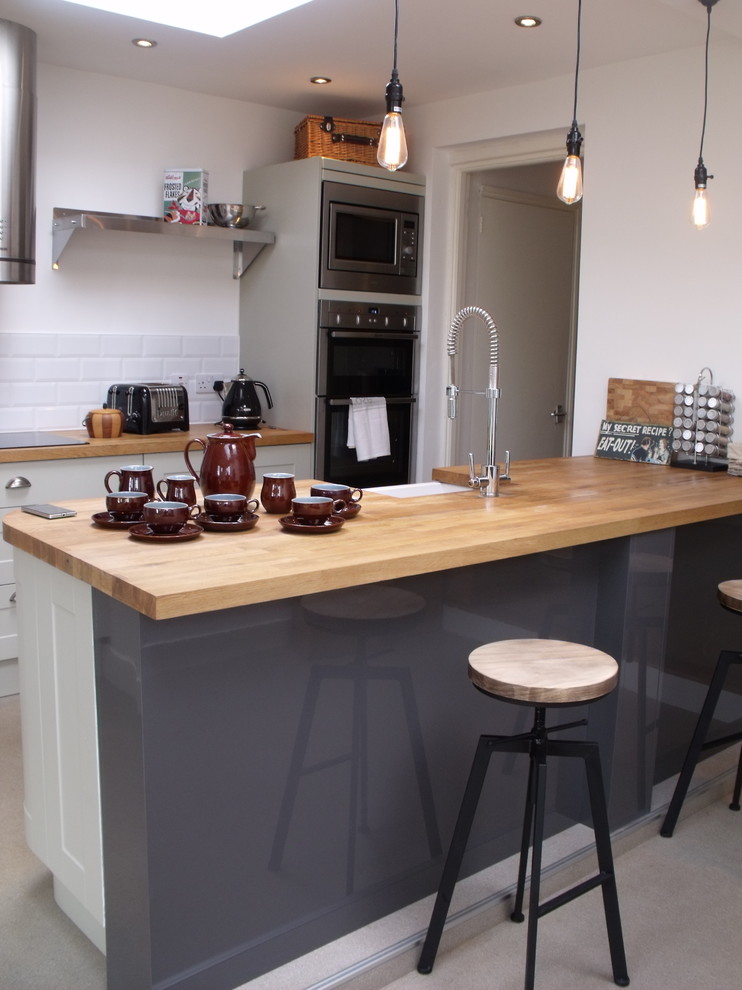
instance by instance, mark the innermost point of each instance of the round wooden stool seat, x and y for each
(542, 671)
(730, 595)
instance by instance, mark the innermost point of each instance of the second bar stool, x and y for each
(730, 596)
(542, 673)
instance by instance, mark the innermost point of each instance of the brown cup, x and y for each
(177, 488)
(166, 517)
(228, 507)
(277, 491)
(102, 423)
(132, 478)
(349, 495)
(126, 506)
(315, 509)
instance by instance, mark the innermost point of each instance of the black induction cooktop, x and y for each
(36, 439)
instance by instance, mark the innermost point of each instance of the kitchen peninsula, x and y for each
(225, 713)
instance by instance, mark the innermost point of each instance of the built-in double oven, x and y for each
(366, 349)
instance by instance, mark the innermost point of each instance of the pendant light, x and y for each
(569, 189)
(700, 212)
(392, 151)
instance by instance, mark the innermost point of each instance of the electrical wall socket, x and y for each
(204, 384)
(178, 380)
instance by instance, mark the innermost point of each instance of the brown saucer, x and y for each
(350, 511)
(189, 531)
(107, 520)
(328, 526)
(245, 522)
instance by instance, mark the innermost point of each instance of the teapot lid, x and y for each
(229, 433)
(242, 377)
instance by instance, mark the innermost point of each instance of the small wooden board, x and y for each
(633, 401)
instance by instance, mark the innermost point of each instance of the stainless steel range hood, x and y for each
(17, 153)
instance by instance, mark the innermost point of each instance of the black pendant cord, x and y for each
(705, 82)
(396, 32)
(577, 62)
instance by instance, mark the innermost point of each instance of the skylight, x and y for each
(217, 17)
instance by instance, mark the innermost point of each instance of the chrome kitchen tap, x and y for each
(488, 481)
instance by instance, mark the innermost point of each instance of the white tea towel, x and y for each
(368, 427)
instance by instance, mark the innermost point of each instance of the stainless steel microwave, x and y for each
(371, 239)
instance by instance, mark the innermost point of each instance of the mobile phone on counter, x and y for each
(49, 511)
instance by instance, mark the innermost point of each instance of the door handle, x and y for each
(558, 414)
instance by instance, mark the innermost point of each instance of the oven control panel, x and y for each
(389, 317)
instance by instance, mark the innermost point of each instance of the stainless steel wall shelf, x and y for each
(247, 243)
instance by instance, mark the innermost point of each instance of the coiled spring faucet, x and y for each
(488, 481)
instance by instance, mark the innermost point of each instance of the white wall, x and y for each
(658, 299)
(126, 307)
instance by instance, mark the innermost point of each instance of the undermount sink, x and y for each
(419, 488)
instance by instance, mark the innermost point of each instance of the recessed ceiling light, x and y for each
(320, 80)
(528, 21)
(144, 43)
(218, 17)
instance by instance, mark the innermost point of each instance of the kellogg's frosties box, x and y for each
(186, 192)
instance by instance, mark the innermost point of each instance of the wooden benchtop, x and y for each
(135, 443)
(550, 504)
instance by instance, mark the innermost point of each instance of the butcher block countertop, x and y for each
(135, 443)
(549, 504)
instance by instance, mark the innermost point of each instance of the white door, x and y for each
(520, 268)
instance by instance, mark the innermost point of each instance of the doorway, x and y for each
(518, 260)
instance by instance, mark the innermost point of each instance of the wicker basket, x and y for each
(335, 137)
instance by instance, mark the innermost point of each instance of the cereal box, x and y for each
(186, 193)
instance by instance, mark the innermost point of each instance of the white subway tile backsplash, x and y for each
(75, 371)
(17, 369)
(101, 369)
(47, 417)
(29, 343)
(58, 369)
(162, 345)
(128, 345)
(142, 369)
(79, 344)
(201, 346)
(19, 418)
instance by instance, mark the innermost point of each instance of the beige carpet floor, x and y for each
(681, 902)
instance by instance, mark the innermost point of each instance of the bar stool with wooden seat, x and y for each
(730, 596)
(542, 673)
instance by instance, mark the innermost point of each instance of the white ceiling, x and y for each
(445, 49)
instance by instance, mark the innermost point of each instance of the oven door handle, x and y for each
(373, 334)
(407, 401)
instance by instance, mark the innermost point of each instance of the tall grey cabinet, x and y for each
(280, 292)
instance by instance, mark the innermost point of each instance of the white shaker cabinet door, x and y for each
(59, 733)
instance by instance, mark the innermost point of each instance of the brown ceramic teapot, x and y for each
(227, 466)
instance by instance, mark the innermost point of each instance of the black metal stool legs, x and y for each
(537, 744)
(698, 743)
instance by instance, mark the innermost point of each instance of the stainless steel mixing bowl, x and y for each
(232, 214)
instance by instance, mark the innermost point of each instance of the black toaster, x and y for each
(150, 407)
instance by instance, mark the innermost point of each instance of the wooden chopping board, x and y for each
(634, 401)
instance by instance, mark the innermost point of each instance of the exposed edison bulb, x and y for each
(569, 188)
(392, 151)
(700, 213)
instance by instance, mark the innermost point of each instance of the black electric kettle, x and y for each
(241, 405)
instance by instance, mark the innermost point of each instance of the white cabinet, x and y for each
(60, 748)
(22, 483)
(295, 458)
